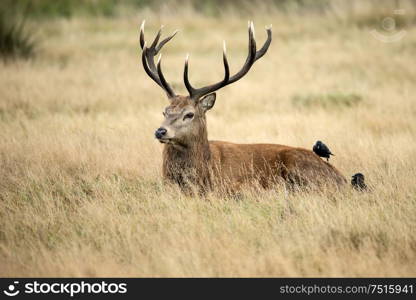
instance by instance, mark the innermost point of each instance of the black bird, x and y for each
(357, 182)
(322, 150)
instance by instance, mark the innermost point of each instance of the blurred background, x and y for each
(20, 37)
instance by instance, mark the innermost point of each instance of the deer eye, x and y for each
(164, 114)
(188, 116)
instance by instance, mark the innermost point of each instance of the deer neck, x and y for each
(189, 163)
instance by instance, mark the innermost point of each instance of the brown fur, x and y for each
(189, 158)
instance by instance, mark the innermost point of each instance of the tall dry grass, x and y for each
(80, 172)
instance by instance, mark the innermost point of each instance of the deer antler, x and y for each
(253, 55)
(148, 54)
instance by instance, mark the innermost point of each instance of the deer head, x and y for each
(185, 116)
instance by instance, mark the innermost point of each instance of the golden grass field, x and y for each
(81, 192)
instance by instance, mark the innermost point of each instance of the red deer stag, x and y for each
(190, 159)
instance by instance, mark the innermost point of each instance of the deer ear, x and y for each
(208, 101)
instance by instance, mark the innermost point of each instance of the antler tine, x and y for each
(146, 66)
(252, 56)
(185, 77)
(266, 45)
(156, 40)
(163, 42)
(142, 42)
(162, 78)
(196, 93)
(148, 54)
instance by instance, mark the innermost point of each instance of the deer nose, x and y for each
(160, 132)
